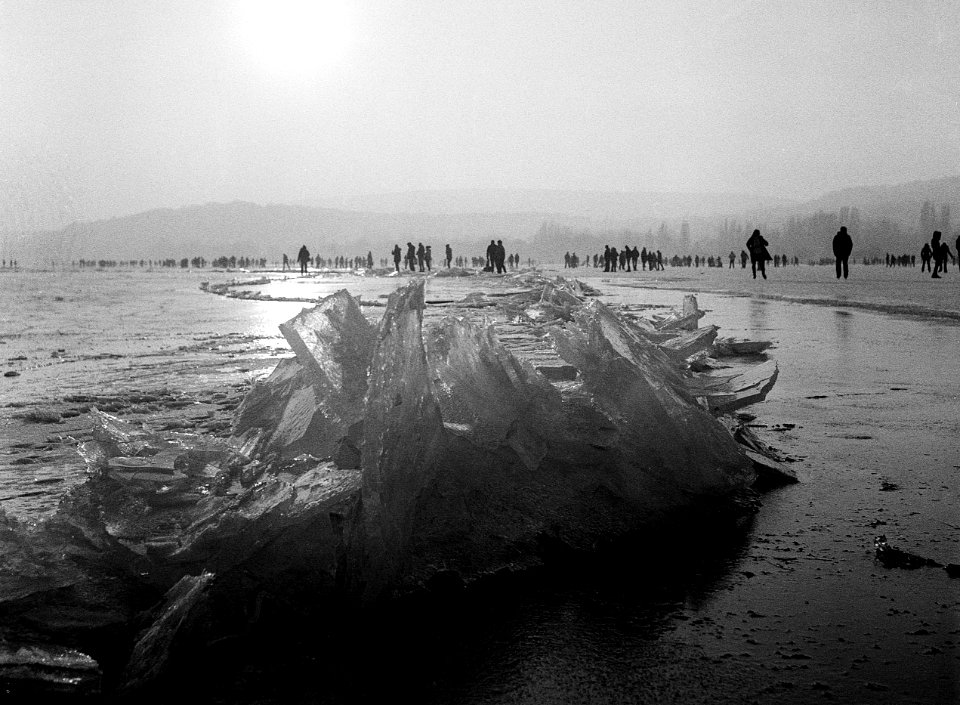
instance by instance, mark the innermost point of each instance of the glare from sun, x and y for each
(295, 38)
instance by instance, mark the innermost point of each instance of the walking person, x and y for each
(842, 247)
(757, 247)
(303, 257)
(938, 261)
(501, 257)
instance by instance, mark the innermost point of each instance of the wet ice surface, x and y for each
(795, 610)
(805, 603)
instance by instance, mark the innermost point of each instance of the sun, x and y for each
(296, 38)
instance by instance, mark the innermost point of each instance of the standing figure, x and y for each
(491, 257)
(286, 263)
(411, 257)
(449, 255)
(925, 256)
(303, 257)
(733, 259)
(428, 257)
(941, 258)
(501, 257)
(396, 257)
(842, 247)
(757, 247)
(938, 263)
(421, 255)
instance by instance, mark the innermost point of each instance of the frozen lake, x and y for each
(794, 609)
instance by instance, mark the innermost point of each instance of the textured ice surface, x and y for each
(378, 457)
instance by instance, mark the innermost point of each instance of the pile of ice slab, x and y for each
(379, 457)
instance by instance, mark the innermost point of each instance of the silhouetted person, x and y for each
(449, 254)
(743, 259)
(491, 256)
(421, 255)
(926, 254)
(945, 252)
(501, 257)
(938, 261)
(757, 247)
(842, 247)
(428, 257)
(397, 254)
(286, 263)
(303, 257)
(411, 257)
(733, 259)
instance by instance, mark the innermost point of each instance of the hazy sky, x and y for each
(112, 107)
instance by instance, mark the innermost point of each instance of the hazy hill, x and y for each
(538, 223)
(248, 229)
(902, 201)
(597, 206)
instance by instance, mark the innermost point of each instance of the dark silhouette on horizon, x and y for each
(303, 257)
(842, 247)
(759, 255)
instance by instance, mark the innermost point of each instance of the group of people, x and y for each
(496, 257)
(420, 258)
(935, 252)
(933, 256)
(416, 257)
(628, 258)
(938, 252)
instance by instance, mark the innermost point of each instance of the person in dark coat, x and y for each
(938, 263)
(842, 247)
(411, 257)
(757, 247)
(303, 257)
(491, 257)
(396, 257)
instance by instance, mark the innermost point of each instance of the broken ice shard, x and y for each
(312, 403)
